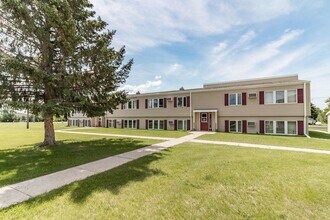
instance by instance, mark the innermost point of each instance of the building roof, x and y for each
(232, 85)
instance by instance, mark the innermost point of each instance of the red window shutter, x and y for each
(137, 104)
(146, 103)
(122, 123)
(147, 124)
(226, 125)
(244, 126)
(138, 124)
(175, 124)
(175, 102)
(300, 95)
(115, 123)
(300, 127)
(165, 103)
(261, 126)
(165, 124)
(226, 99)
(244, 98)
(261, 97)
(122, 106)
(188, 125)
(188, 102)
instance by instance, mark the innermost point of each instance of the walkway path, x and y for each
(23, 191)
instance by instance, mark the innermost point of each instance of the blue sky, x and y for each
(187, 43)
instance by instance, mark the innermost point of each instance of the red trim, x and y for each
(188, 102)
(188, 124)
(165, 103)
(146, 124)
(122, 123)
(244, 98)
(244, 126)
(261, 97)
(300, 127)
(175, 102)
(261, 126)
(165, 124)
(137, 104)
(226, 125)
(146, 103)
(226, 99)
(138, 124)
(175, 124)
(300, 95)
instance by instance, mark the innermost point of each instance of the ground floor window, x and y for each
(281, 127)
(156, 124)
(235, 126)
(130, 124)
(182, 124)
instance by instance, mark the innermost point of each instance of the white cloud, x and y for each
(149, 86)
(149, 23)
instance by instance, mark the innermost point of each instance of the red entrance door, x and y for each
(204, 122)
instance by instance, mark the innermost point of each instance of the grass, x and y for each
(318, 141)
(151, 133)
(20, 160)
(318, 127)
(195, 181)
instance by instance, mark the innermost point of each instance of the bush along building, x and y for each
(277, 105)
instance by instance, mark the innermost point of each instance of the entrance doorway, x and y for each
(206, 121)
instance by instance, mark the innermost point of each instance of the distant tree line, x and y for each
(318, 114)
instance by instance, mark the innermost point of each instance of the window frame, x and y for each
(130, 123)
(236, 99)
(153, 122)
(286, 127)
(184, 125)
(286, 98)
(237, 129)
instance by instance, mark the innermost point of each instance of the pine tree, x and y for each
(56, 57)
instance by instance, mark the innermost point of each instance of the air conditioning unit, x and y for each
(171, 122)
(169, 99)
(252, 95)
(251, 123)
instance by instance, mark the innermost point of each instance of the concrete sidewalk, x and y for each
(20, 192)
(269, 147)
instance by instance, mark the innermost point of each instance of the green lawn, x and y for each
(20, 160)
(318, 141)
(195, 181)
(318, 127)
(151, 133)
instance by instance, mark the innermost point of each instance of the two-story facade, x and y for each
(278, 105)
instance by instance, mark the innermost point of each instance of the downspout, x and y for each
(191, 120)
(305, 112)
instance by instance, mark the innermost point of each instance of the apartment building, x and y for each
(277, 105)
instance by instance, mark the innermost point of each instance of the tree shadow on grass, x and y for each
(116, 179)
(25, 163)
(321, 135)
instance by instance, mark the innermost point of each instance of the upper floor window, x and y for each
(182, 102)
(235, 99)
(131, 104)
(156, 103)
(281, 96)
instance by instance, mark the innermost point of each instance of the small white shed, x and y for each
(328, 116)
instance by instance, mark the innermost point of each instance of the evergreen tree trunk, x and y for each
(49, 138)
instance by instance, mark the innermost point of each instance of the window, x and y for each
(155, 124)
(269, 127)
(292, 96)
(155, 103)
(269, 98)
(182, 125)
(292, 127)
(130, 124)
(180, 101)
(131, 104)
(235, 99)
(280, 128)
(161, 103)
(235, 126)
(279, 96)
